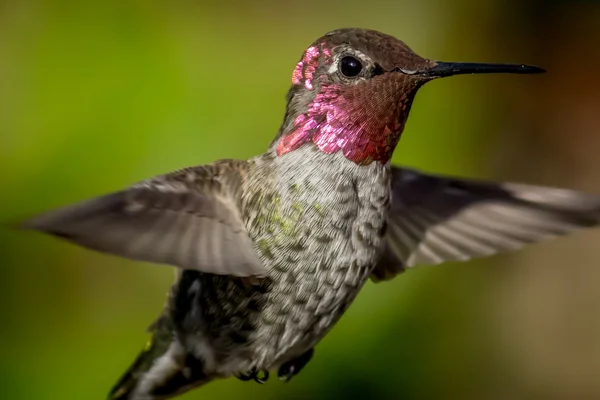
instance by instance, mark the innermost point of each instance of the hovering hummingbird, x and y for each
(272, 250)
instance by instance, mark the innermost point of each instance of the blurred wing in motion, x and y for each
(435, 219)
(189, 218)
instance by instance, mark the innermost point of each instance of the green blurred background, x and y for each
(95, 96)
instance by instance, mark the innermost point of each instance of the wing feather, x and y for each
(436, 219)
(189, 219)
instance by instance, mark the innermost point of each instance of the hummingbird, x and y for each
(269, 252)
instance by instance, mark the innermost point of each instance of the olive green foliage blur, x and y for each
(96, 96)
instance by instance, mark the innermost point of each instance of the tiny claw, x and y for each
(263, 379)
(248, 376)
(253, 374)
(244, 377)
(293, 367)
(286, 373)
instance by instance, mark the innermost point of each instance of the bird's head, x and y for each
(352, 91)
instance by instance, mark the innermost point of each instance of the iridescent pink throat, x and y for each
(363, 120)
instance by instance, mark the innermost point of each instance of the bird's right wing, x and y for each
(189, 219)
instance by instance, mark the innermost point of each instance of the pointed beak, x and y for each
(442, 69)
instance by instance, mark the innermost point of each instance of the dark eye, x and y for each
(350, 66)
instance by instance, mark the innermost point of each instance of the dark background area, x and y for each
(97, 96)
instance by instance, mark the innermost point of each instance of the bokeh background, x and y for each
(95, 96)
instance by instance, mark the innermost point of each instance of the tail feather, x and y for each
(126, 386)
(161, 371)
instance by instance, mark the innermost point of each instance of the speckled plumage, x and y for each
(319, 234)
(272, 250)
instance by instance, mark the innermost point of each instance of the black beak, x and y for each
(443, 69)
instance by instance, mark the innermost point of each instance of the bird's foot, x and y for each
(293, 367)
(256, 375)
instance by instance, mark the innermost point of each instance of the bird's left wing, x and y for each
(435, 219)
(189, 219)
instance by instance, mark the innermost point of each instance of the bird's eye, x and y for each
(350, 66)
